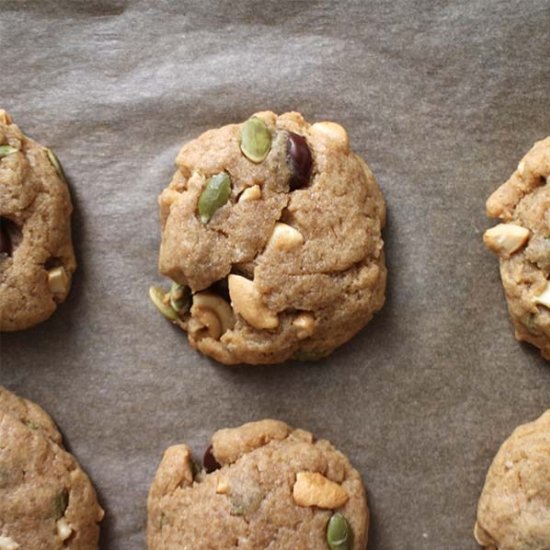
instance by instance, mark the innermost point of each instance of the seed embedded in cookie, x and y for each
(339, 533)
(216, 193)
(291, 218)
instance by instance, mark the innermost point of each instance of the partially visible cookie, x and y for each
(514, 509)
(522, 243)
(264, 485)
(29, 413)
(46, 500)
(271, 233)
(36, 252)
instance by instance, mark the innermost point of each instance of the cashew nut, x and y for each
(7, 543)
(58, 281)
(247, 302)
(505, 238)
(314, 489)
(544, 298)
(332, 132)
(222, 486)
(305, 324)
(64, 530)
(213, 314)
(285, 237)
(5, 118)
(253, 193)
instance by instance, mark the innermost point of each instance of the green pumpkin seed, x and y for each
(255, 139)
(60, 503)
(55, 163)
(339, 533)
(157, 296)
(6, 150)
(216, 193)
(179, 298)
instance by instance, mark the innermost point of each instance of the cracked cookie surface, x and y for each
(265, 485)
(46, 500)
(522, 243)
(291, 239)
(36, 256)
(514, 508)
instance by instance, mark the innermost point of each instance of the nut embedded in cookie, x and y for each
(288, 220)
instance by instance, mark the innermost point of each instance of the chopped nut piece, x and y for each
(521, 167)
(506, 238)
(331, 131)
(314, 489)
(64, 530)
(544, 298)
(285, 237)
(222, 487)
(247, 302)
(304, 323)
(253, 193)
(213, 313)
(58, 281)
(7, 543)
(5, 118)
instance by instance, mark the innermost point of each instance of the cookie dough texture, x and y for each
(306, 263)
(514, 508)
(35, 207)
(250, 502)
(46, 501)
(522, 242)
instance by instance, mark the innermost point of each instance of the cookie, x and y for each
(36, 253)
(271, 234)
(514, 509)
(263, 485)
(29, 413)
(46, 500)
(522, 242)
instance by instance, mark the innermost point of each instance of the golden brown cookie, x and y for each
(271, 232)
(46, 500)
(263, 485)
(36, 253)
(514, 509)
(522, 242)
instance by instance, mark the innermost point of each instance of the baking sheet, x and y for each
(443, 98)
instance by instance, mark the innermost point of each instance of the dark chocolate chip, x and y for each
(221, 288)
(209, 461)
(5, 240)
(298, 157)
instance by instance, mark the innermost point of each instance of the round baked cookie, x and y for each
(514, 509)
(36, 252)
(46, 500)
(29, 413)
(271, 233)
(263, 485)
(522, 242)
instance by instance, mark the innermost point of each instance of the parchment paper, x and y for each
(442, 98)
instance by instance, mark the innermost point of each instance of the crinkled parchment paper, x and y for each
(441, 97)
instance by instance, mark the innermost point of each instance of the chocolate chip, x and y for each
(298, 157)
(5, 240)
(209, 461)
(221, 288)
